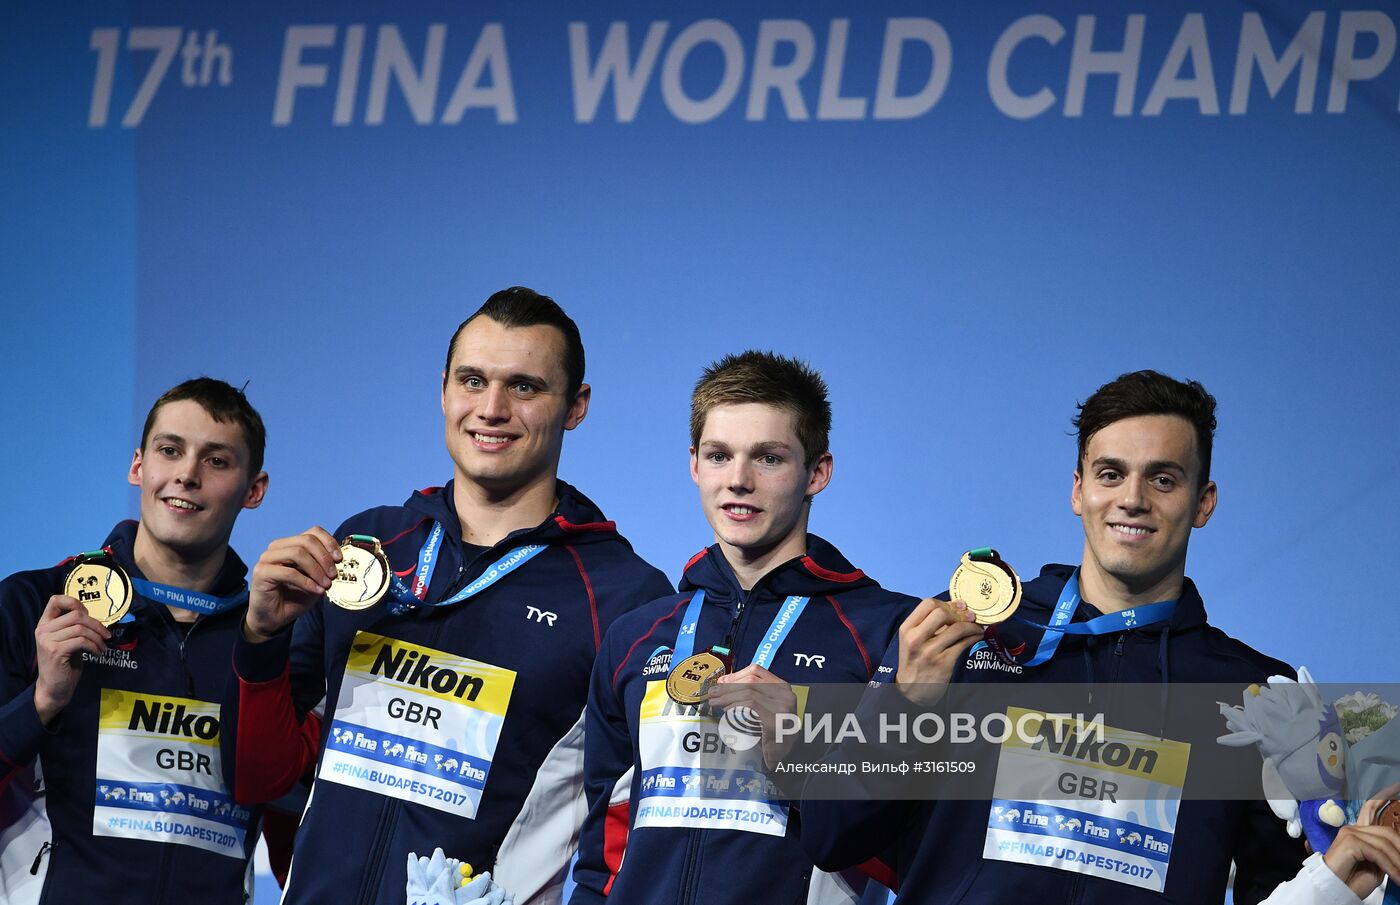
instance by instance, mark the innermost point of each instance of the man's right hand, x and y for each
(1363, 854)
(291, 575)
(931, 640)
(65, 631)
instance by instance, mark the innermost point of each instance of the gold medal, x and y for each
(101, 586)
(987, 585)
(361, 576)
(689, 682)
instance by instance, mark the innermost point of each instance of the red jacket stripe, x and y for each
(845, 577)
(855, 636)
(592, 601)
(615, 824)
(569, 526)
(623, 662)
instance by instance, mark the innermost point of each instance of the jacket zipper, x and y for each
(690, 868)
(184, 662)
(46, 893)
(389, 815)
(43, 850)
(166, 850)
(391, 818)
(1075, 893)
(376, 867)
(164, 872)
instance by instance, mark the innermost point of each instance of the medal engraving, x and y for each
(101, 586)
(989, 587)
(689, 682)
(361, 576)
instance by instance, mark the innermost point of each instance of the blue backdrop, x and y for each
(950, 212)
(968, 216)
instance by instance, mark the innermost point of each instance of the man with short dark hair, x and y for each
(1126, 614)
(452, 710)
(112, 664)
(674, 767)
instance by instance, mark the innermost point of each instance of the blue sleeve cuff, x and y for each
(262, 662)
(22, 733)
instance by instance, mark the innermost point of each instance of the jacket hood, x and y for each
(121, 543)
(576, 518)
(820, 571)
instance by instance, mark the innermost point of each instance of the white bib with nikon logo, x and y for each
(416, 724)
(159, 774)
(690, 778)
(1114, 812)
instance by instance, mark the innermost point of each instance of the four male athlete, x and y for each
(489, 669)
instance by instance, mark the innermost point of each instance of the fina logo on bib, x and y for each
(1101, 802)
(159, 775)
(417, 724)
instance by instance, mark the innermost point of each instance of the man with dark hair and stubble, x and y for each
(448, 713)
(112, 664)
(1126, 614)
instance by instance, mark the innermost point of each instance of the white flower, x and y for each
(1356, 702)
(1357, 734)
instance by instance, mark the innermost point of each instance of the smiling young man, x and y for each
(1127, 614)
(109, 756)
(452, 709)
(680, 807)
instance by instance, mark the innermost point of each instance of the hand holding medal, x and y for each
(1364, 852)
(990, 588)
(937, 633)
(291, 575)
(362, 576)
(97, 593)
(751, 700)
(689, 680)
(100, 585)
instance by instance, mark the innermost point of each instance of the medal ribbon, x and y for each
(1107, 624)
(408, 598)
(777, 632)
(194, 601)
(170, 595)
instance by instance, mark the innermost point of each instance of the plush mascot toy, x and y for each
(1300, 738)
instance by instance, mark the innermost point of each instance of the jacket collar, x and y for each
(121, 543)
(576, 520)
(820, 571)
(1041, 595)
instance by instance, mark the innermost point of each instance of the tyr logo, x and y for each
(817, 660)
(539, 615)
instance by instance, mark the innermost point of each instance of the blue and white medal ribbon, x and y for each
(1107, 624)
(408, 598)
(777, 632)
(194, 601)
